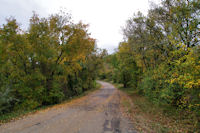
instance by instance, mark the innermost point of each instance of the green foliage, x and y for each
(6, 99)
(160, 55)
(52, 61)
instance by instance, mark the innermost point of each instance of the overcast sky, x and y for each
(105, 17)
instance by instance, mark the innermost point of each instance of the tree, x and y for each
(46, 64)
(159, 55)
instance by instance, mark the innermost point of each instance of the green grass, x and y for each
(164, 118)
(144, 103)
(20, 113)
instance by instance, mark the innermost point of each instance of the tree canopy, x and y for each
(53, 60)
(160, 55)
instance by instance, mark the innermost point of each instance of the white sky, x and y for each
(105, 17)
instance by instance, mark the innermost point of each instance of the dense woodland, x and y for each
(54, 60)
(160, 56)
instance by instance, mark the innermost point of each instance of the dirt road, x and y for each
(96, 113)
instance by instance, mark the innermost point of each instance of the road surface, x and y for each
(98, 112)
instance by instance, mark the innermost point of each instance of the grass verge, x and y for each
(22, 113)
(149, 117)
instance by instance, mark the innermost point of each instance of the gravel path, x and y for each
(97, 112)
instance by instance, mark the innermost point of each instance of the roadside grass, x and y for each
(150, 117)
(23, 113)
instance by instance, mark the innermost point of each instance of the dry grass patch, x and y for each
(150, 118)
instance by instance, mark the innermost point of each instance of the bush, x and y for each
(7, 100)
